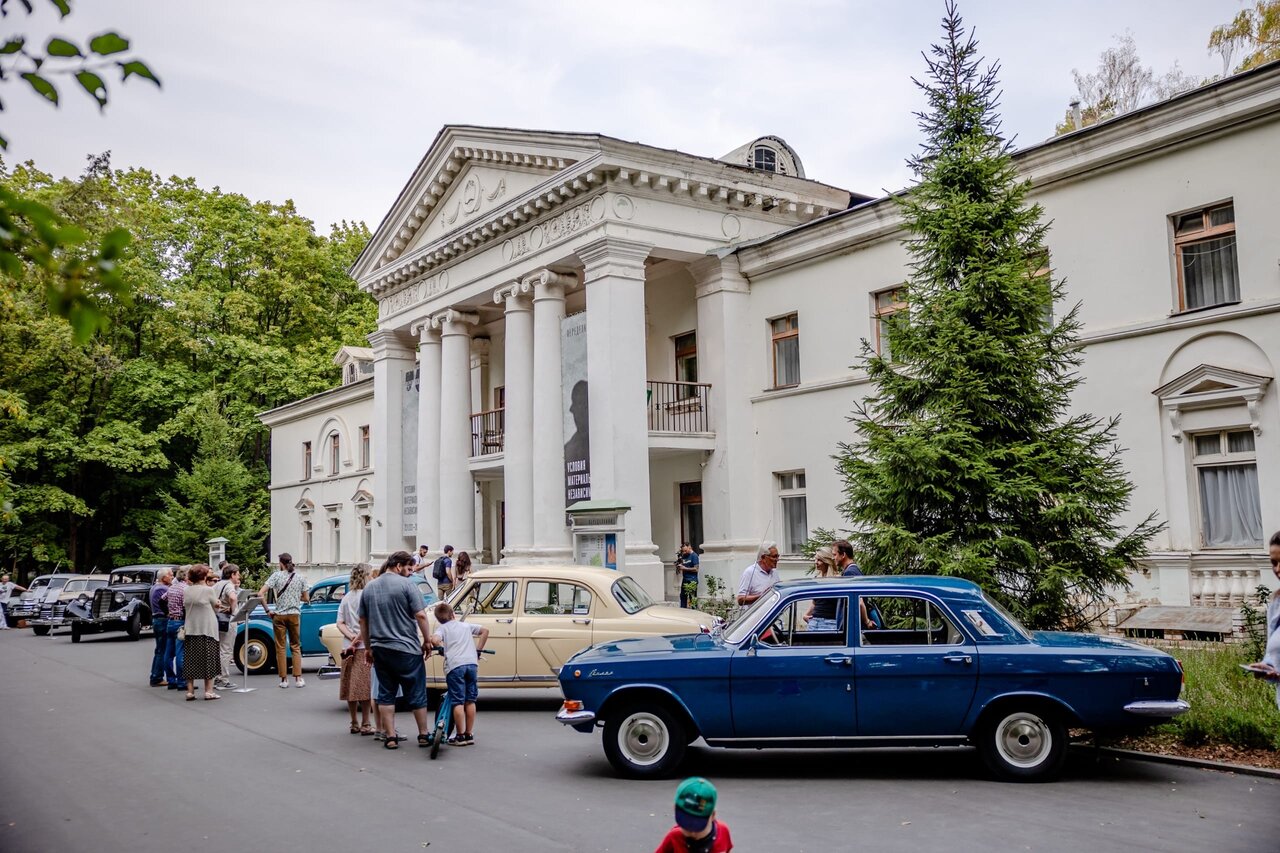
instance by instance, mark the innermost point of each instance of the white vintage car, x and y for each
(539, 616)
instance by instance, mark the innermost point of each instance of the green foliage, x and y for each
(719, 600)
(1256, 31)
(1227, 704)
(107, 443)
(1253, 615)
(966, 462)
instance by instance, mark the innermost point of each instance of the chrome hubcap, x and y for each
(643, 738)
(1023, 739)
(255, 653)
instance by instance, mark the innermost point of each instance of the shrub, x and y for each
(1227, 705)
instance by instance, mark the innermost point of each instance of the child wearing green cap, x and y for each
(696, 829)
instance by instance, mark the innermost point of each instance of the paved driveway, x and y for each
(91, 758)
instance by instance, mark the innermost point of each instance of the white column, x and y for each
(517, 443)
(614, 279)
(428, 435)
(550, 535)
(729, 523)
(392, 358)
(480, 347)
(457, 490)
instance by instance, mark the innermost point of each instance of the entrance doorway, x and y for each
(691, 514)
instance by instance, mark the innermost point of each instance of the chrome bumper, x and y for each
(52, 621)
(576, 718)
(1158, 708)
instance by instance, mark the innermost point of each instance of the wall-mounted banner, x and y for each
(409, 455)
(577, 425)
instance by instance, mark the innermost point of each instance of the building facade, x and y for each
(569, 316)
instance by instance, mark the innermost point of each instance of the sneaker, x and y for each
(457, 740)
(284, 683)
(298, 682)
(468, 740)
(379, 735)
(160, 683)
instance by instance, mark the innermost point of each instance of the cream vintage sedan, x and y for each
(538, 616)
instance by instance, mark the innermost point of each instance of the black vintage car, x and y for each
(122, 605)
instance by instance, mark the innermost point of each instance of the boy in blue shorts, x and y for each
(461, 656)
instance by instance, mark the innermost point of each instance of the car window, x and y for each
(808, 622)
(546, 598)
(489, 597)
(630, 595)
(331, 593)
(904, 620)
(97, 583)
(76, 586)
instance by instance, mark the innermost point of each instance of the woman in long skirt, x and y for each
(354, 689)
(200, 646)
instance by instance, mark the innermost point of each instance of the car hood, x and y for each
(1070, 640)
(651, 647)
(678, 617)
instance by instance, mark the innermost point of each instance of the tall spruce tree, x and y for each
(968, 463)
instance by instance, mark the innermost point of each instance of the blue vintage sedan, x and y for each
(255, 641)
(867, 661)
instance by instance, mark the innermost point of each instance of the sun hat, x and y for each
(695, 802)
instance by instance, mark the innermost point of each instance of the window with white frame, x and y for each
(364, 447)
(335, 452)
(888, 303)
(306, 460)
(764, 158)
(1204, 246)
(795, 513)
(335, 539)
(786, 350)
(306, 540)
(1227, 481)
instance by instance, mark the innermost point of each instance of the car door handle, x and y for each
(956, 657)
(504, 621)
(844, 659)
(582, 621)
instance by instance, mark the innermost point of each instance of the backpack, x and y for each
(439, 570)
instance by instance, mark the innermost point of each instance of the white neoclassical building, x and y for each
(567, 316)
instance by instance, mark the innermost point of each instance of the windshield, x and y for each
(750, 618)
(1007, 616)
(76, 585)
(631, 595)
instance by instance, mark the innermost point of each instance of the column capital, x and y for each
(611, 256)
(389, 343)
(480, 348)
(453, 321)
(715, 273)
(515, 294)
(426, 333)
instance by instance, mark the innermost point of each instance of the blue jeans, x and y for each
(173, 655)
(463, 685)
(159, 625)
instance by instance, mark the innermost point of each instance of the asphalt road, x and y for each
(92, 758)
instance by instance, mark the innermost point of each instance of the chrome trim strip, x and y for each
(960, 738)
(1158, 708)
(548, 679)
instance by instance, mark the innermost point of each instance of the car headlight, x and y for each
(118, 598)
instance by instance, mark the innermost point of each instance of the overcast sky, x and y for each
(333, 103)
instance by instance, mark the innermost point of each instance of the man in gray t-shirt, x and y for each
(393, 626)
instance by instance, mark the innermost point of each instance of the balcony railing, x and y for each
(487, 430)
(678, 406)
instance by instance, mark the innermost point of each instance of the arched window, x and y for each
(764, 158)
(335, 452)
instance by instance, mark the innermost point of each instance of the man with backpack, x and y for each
(441, 571)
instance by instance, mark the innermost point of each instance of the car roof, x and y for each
(515, 570)
(58, 575)
(151, 566)
(931, 583)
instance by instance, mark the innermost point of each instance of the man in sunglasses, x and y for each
(759, 577)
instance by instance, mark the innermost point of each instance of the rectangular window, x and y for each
(306, 542)
(487, 597)
(306, 460)
(795, 514)
(686, 347)
(888, 303)
(543, 598)
(1204, 246)
(786, 350)
(364, 447)
(335, 453)
(366, 537)
(905, 621)
(1227, 480)
(335, 539)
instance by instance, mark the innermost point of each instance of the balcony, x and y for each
(487, 431)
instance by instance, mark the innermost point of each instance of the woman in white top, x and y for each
(354, 689)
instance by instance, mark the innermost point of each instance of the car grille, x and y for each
(101, 603)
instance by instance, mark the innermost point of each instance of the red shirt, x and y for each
(675, 842)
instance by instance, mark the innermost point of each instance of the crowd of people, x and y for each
(191, 609)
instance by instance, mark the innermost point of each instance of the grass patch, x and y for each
(1227, 705)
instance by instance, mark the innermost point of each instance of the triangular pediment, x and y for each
(467, 172)
(1212, 382)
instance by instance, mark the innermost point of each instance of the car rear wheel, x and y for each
(259, 651)
(76, 633)
(40, 630)
(644, 741)
(1024, 744)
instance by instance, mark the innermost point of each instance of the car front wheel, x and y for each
(644, 741)
(1024, 745)
(134, 627)
(40, 630)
